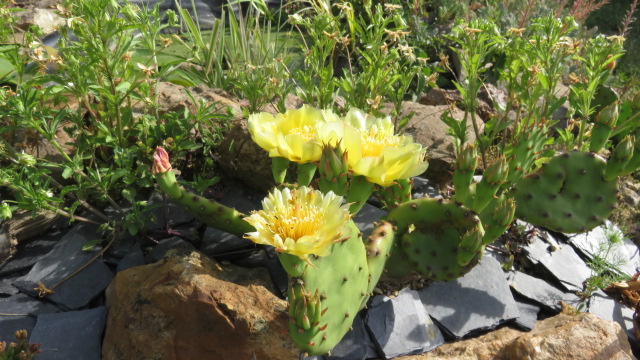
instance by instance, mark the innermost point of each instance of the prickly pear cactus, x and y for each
(395, 194)
(568, 194)
(328, 294)
(438, 238)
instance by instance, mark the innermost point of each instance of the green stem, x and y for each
(206, 210)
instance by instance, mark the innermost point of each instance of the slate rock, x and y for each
(354, 345)
(365, 218)
(135, 257)
(402, 326)
(24, 310)
(121, 248)
(607, 308)
(65, 259)
(216, 243)
(480, 300)
(541, 292)
(173, 211)
(625, 253)
(422, 187)
(70, 335)
(6, 289)
(27, 254)
(243, 199)
(563, 263)
(528, 315)
(159, 250)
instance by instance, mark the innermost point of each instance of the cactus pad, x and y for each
(567, 194)
(339, 282)
(437, 238)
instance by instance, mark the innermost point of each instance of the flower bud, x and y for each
(161, 162)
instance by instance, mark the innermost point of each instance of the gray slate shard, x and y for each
(366, 216)
(6, 289)
(159, 250)
(133, 258)
(423, 188)
(480, 300)
(244, 200)
(70, 335)
(607, 308)
(217, 242)
(65, 259)
(24, 310)
(528, 316)
(402, 326)
(27, 255)
(541, 292)
(173, 211)
(563, 263)
(625, 253)
(354, 345)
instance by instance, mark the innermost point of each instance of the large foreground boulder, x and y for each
(563, 337)
(188, 307)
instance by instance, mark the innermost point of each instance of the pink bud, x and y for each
(161, 162)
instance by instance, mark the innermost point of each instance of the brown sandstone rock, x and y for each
(428, 130)
(172, 97)
(185, 307)
(581, 337)
(486, 347)
(243, 159)
(562, 337)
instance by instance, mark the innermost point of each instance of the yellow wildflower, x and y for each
(300, 222)
(292, 135)
(373, 150)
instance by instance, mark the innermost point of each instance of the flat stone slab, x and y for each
(66, 258)
(173, 211)
(624, 254)
(6, 289)
(133, 258)
(541, 292)
(160, 249)
(608, 308)
(217, 243)
(478, 301)
(423, 188)
(528, 316)
(354, 345)
(560, 261)
(19, 312)
(27, 255)
(70, 335)
(401, 325)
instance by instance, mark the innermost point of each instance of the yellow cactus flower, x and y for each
(292, 135)
(377, 153)
(300, 222)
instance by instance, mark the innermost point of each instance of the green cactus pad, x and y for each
(378, 246)
(432, 238)
(341, 280)
(568, 194)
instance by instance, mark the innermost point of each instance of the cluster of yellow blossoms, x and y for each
(373, 150)
(305, 221)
